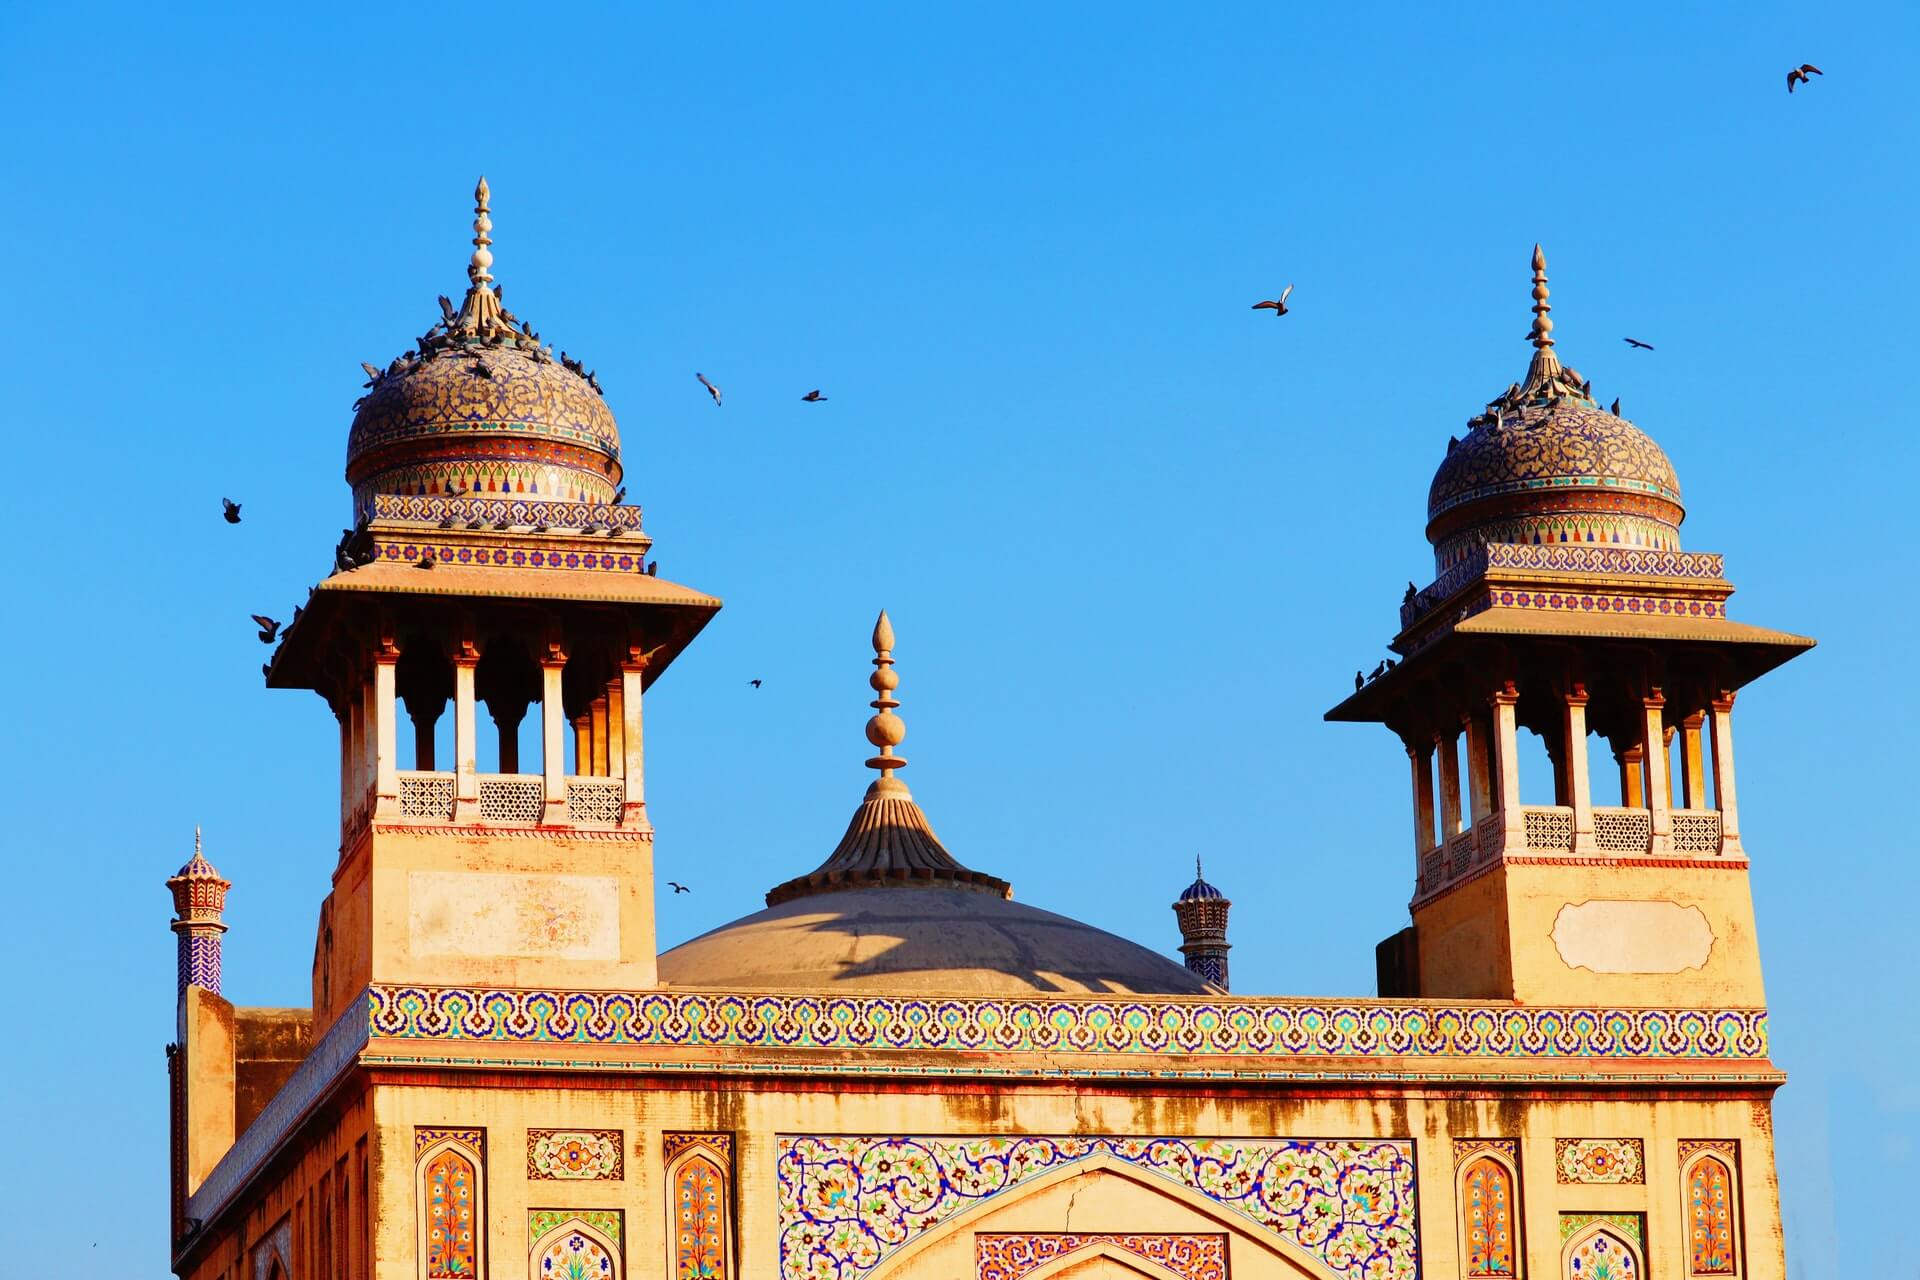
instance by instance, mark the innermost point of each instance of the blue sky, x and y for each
(1134, 537)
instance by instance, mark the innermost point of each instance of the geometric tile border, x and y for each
(1091, 1027)
(1010, 1256)
(576, 1155)
(1599, 1161)
(847, 1203)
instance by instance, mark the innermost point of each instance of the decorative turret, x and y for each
(199, 896)
(889, 840)
(1202, 912)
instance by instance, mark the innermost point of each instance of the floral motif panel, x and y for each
(1599, 1161)
(1602, 1255)
(574, 1244)
(449, 1164)
(584, 1155)
(847, 1203)
(698, 1168)
(1013, 1255)
(1487, 1203)
(1711, 1250)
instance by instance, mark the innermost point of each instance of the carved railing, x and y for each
(596, 800)
(1460, 853)
(1696, 831)
(516, 798)
(426, 795)
(1624, 830)
(1547, 828)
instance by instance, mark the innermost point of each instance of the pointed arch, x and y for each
(699, 1180)
(1710, 1197)
(577, 1249)
(1487, 1191)
(450, 1203)
(1601, 1250)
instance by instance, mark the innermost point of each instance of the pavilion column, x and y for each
(1672, 763)
(507, 714)
(597, 719)
(1659, 794)
(633, 766)
(616, 729)
(386, 738)
(369, 747)
(1446, 751)
(466, 736)
(1479, 771)
(553, 734)
(1632, 789)
(1723, 792)
(1506, 746)
(348, 744)
(1579, 778)
(424, 710)
(583, 744)
(1422, 762)
(1691, 758)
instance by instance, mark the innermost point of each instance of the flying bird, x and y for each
(446, 308)
(373, 373)
(230, 510)
(268, 627)
(1276, 305)
(1615, 410)
(813, 396)
(754, 683)
(1800, 73)
(678, 887)
(1639, 345)
(711, 389)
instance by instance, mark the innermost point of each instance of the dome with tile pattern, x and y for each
(480, 405)
(1544, 463)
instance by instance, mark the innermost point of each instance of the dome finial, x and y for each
(885, 730)
(1542, 334)
(477, 269)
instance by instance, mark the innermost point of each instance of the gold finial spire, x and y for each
(885, 730)
(196, 839)
(482, 224)
(1542, 334)
(1196, 868)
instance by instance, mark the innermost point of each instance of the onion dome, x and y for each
(481, 406)
(1202, 912)
(1545, 463)
(891, 911)
(199, 892)
(1200, 890)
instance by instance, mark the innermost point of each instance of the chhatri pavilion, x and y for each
(891, 1068)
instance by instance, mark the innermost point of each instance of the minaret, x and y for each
(199, 896)
(1202, 912)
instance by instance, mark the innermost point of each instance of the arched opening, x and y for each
(1489, 1217)
(700, 1218)
(1601, 1251)
(452, 1240)
(583, 1247)
(1712, 1207)
(506, 683)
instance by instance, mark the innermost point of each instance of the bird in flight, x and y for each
(711, 389)
(1800, 73)
(754, 683)
(1639, 345)
(678, 887)
(813, 396)
(1276, 305)
(268, 627)
(230, 510)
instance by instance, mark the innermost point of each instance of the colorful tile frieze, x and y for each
(1569, 557)
(845, 1204)
(1015, 1255)
(1599, 1161)
(582, 1155)
(431, 509)
(511, 557)
(1093, 1027)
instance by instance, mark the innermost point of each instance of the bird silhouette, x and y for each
(1639, 345)
(678, 887)
(268, 627)
(266, 669)
(373, 373)
(813, 396)
(1412, 591)
(1800, 73)
(230, 510)
(1378, 671)
(619, 495)
(1615, 410)
(1276, 305)
(446, 308)
(424, 562)
(754, 683)
(1359, 681)
(711, 389)
(479, 370)
(653, 568)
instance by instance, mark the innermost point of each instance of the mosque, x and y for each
(895, 1070)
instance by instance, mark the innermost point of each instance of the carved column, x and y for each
(508, 711)
(1479, 767)
(616, 729)
(583, 744)
(1691, 759)
(466, 734)
(1723, 791)
(1422, 762)
(553, 732)
(598, 722)
(632, 673)
(1659, 793)
(1506, 746)
(386, 738)
(1446, 748)
(1579, 777)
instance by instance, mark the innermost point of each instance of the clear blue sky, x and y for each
(1135, 537)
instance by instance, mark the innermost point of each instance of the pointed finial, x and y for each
(1196, 868)
(885, 730)
(196, 839)
(477, 270)
(1542, 334)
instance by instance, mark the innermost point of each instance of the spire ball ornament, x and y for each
(885, 730)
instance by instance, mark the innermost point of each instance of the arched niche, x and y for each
(575, 1248)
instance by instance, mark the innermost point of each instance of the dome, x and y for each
(1200, 890)
(481, 406)
(1544, 463)
(905, 940)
